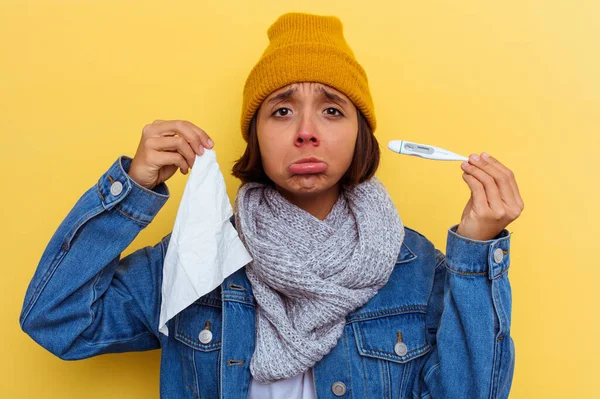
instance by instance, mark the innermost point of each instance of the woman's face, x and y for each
(306, 120)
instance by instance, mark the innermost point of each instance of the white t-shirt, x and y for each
(297, 387)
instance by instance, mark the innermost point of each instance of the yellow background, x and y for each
(518, 79)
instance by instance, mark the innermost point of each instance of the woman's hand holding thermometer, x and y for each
(495, 199)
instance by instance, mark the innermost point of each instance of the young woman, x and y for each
(340, 300)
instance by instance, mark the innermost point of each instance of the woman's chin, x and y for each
(308, 183)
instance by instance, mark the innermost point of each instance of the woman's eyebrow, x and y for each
(282, 96)
(332, 96)
(289, 92)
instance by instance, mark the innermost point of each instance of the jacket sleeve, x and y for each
(83, 300)
(470, 313)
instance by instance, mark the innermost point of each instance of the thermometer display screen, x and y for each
(419, 148)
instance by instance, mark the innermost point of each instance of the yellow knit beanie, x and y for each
(306, 48)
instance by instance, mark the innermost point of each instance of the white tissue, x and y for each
(204, 247)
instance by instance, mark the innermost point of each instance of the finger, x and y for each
(184, 129)
(478, 195)
(500, 177)
(177, 144)
(511, 177)
(206, 140)
(491, 189)
(165, 158)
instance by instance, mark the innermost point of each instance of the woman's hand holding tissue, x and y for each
(165, 147)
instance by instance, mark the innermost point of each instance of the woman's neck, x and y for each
(319, 205)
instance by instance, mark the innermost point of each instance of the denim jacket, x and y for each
(439, 328)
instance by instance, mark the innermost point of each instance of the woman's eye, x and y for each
(286, 111)
(334, 111)
(282, 109)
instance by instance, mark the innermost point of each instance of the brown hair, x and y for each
(364, 163)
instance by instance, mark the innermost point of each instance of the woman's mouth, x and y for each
(308, 166)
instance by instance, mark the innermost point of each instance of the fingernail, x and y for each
(210, 143)
(485, 155)
(465, 164)
(475, 157)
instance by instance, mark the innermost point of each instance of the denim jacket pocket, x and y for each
(378, 337)
(199, 325)
(392, 344)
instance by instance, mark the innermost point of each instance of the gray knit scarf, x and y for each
(308, 274)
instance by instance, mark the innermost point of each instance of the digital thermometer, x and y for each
(424, 151)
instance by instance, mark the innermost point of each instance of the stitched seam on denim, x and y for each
(219, 374)
(157, 303)
(387, 378)
(499, 313)
(431, 370)
(404, 378)
(362, 360)
(498, 308)
(38, 290)
(100, 191)
(195, 373)
(388, 355)
(151, 192)
(315, 382)
(242, 302)
(117, 341)
(185, 375)
(387, 312)
(502, 272)
(120, 209)
(92, 315)
(486, 242)
(495, 369)
(410, 259)
(214, 302)
(381, 379)
(223, 346)
(465, 273)
(64, 248)
(192, 341)
(78, 224)
(239, 300)
(117, 205)
(348, 361)
(236, 295)
(442, 259)
(212, 305)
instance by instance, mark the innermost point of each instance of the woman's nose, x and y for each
(307, 133)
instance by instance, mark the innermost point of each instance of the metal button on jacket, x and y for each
(338, 388)
(116, 188)
(498, 255)
(205, 336)
(400, 348)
